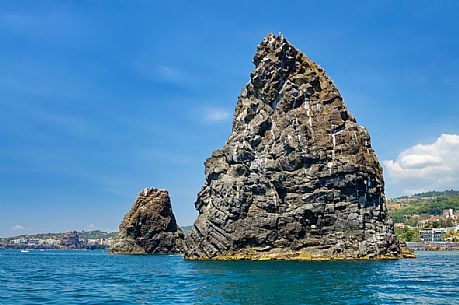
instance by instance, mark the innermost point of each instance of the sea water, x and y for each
(95, 277)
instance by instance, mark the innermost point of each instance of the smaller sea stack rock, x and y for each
(149, 227)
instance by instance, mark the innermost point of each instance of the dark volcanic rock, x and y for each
(297, 178)
(149, 227)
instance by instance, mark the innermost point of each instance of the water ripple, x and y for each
(83, 277)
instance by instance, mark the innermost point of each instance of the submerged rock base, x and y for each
(299, 256)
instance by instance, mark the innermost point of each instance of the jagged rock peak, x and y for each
(149, 227)
(297, 177)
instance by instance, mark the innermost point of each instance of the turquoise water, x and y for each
(84, 277)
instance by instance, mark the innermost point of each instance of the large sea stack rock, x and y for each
(149, 227)
(297, 178)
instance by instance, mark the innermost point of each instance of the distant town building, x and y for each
(432, 235)
(33, 242)
(401, 226)
(71, 240)
(19, 241)
(449, 213)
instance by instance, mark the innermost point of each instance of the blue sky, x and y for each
(100, 99)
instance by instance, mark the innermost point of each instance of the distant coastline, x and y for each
(74, 240)
(426, 221)
(99, 240)
(433, 246)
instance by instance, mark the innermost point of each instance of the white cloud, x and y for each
(17, 227)
(154, 72)
(168, 71)
(91, 227)
(217, 115)
(425, 167)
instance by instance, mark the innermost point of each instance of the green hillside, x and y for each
(424, 206)
(422, 211)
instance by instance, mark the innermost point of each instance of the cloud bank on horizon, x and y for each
(426, 167)
(17, 227)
